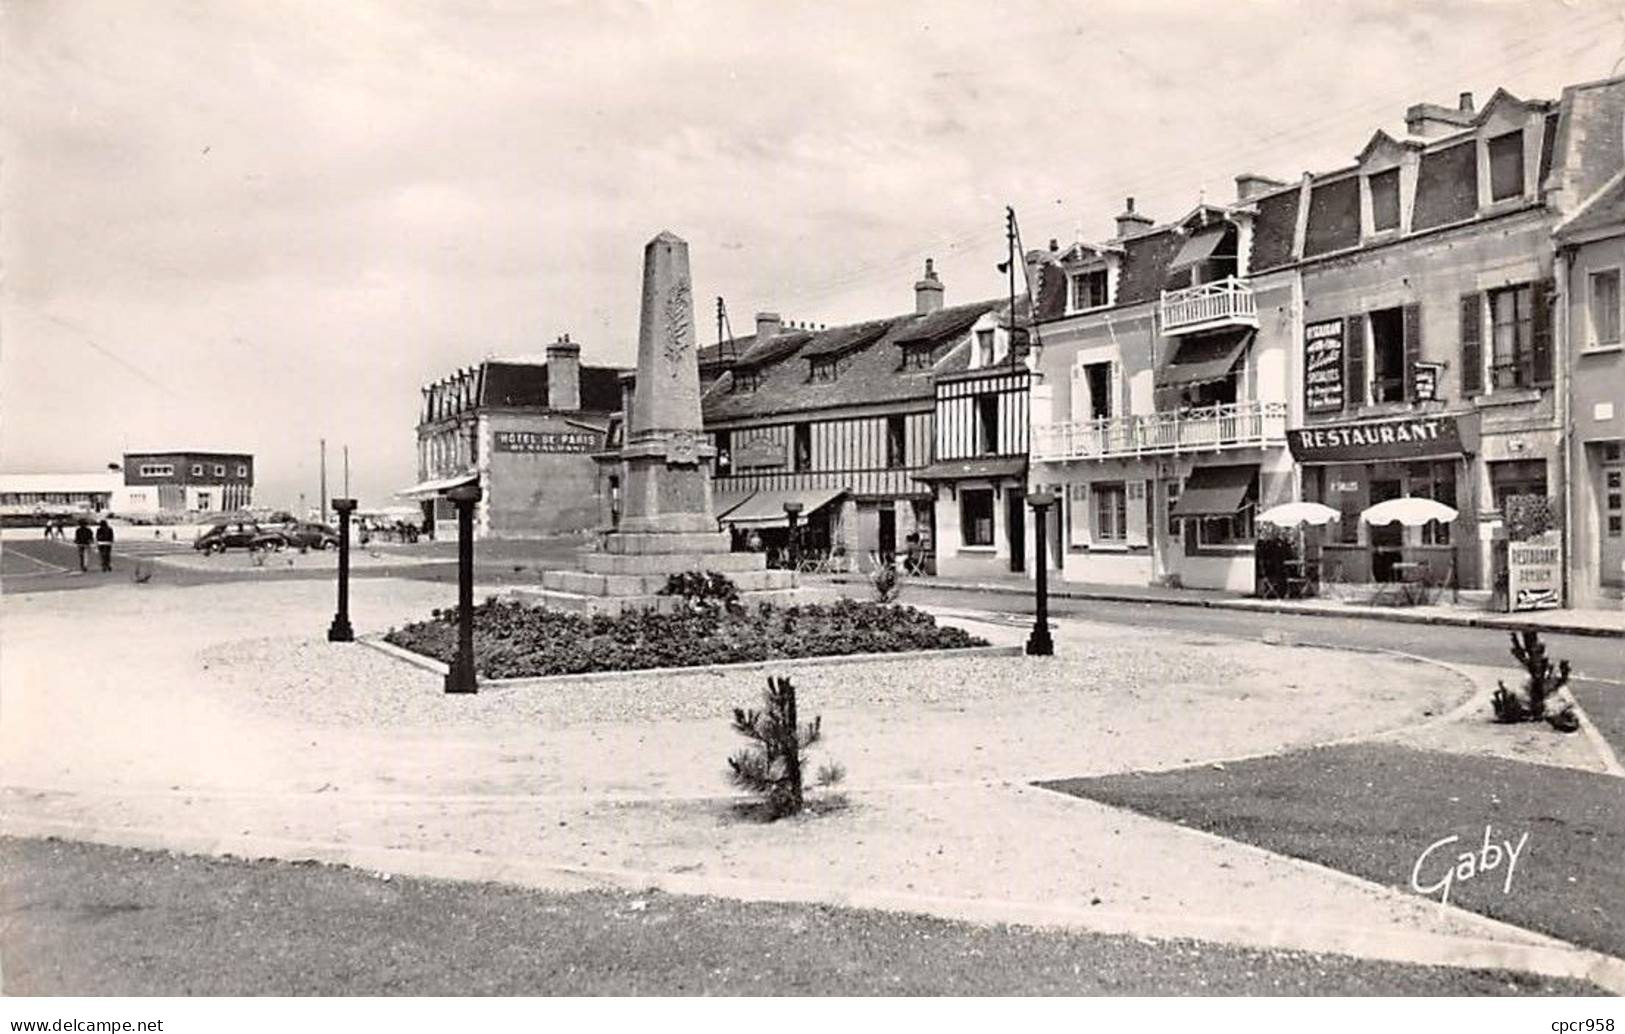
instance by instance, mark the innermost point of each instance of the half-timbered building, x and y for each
(838, 423)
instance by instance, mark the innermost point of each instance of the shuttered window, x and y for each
(1413, 348)
(1472, 346)
(1355, 387)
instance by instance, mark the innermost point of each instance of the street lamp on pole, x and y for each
(791, 511)
(461, 677)
(340, 631)
(1039, 643)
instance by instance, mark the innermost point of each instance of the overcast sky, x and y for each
(250, 224)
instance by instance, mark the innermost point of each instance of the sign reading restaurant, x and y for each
(1323, 366)
(544, 441)
(1411, 438)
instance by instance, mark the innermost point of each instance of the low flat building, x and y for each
(524, 429)
(34, 498)
(186, 480)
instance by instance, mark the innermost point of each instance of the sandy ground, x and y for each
(217, 715)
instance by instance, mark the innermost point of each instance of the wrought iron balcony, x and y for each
(1243, 425)
(1221, 303)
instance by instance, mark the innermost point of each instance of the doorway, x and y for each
(888, 533)
(1611, 524)
(1386, 539)
(1015, 522)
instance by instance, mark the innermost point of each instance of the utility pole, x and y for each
(347, 472)
(322, 499)
(1010, 264)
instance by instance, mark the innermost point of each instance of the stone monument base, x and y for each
(632, 570)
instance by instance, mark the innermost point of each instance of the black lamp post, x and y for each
(1039, 643)
(340, 631)
(461, 678)
(791, 511)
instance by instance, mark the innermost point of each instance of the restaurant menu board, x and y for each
(1323, 366)
(1534, 572)
(1425, 381)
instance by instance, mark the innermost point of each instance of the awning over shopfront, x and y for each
(960, 470)
(1216, 491)
(1199, 246)
(766, 509)
(724, 503)
(1209, 357)
(430, 489)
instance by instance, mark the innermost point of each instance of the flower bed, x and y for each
(515, 640)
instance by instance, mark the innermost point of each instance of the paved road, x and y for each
(28, 565)
(79, 919)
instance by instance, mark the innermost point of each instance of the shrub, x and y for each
(771, 767)
(513, 640)
(883, 578)
(1544, 681)
(703, 589)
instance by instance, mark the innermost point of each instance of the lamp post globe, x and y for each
(1039, 644)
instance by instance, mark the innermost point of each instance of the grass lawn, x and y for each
(1372, 809)
(81, 919)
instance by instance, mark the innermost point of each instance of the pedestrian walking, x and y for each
(104, 544)
(83, 537)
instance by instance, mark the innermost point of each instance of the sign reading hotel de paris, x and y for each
(1410, 438)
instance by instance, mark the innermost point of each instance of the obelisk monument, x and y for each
(668, 489)
(667, 525)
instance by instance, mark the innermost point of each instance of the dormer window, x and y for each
(746, 381)
(984, 347)
(1384, 200)
(1088, 290)
(825, 370)
(1506, 166)
(918, 356)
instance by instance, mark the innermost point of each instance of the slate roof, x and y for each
(1605, 209)
(869, 372)
(525, 384)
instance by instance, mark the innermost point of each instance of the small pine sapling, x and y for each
(771, 766)
(1542, 684)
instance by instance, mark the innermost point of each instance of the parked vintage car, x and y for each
(309, 535)
(239, 535)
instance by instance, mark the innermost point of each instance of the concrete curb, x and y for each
(1487, 620)
(430, 664)
(1546, 956)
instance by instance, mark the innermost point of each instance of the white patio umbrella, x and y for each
(1291, 515)
(1408, 511)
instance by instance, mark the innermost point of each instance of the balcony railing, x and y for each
(1239, 426)
(1222, 303)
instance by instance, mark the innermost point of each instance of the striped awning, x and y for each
(766, 509)
(437, 486)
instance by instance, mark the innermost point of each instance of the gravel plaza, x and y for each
(216, 719)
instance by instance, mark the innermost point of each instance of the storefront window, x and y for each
(1111, 512)
(1516, 477)
(1435, 481)
(1235, 530)
(976, 516)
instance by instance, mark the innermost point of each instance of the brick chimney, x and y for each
(768, 324)
(1430, 120)
(564, 374)
(1250, 184)
(1131, 222)
(928, 292)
